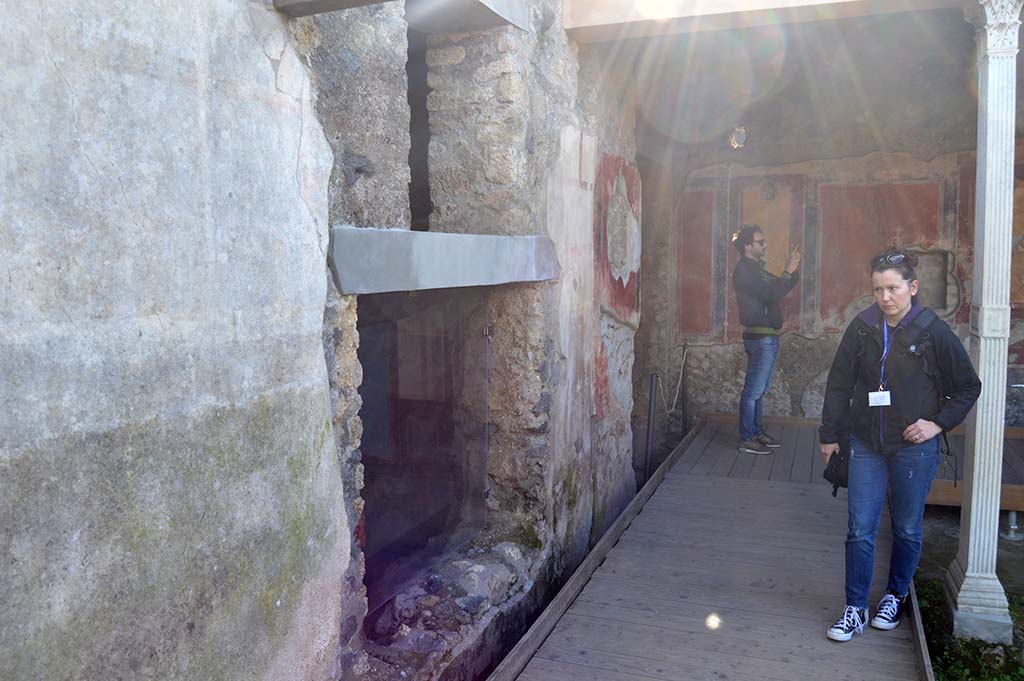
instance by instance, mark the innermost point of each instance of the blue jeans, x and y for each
(761, 354)
(908, 476)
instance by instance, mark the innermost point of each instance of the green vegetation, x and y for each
(968, 660)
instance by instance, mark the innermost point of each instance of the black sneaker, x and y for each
(753, 447)
(852, 622)
(889, 612)
(768, 441)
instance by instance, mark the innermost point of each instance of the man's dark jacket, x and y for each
(931, 378)
(758, 293)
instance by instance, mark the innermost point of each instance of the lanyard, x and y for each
(885, 353)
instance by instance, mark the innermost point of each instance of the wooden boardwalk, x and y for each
(732, 569)
(798, 460)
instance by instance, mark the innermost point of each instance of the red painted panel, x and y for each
(858, 221)
(622, 299)
(965, 233)
(780, 214)
(695, 215)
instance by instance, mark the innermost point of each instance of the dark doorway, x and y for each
(425, 378)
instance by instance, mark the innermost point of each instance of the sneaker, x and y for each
(753, 447)
(889, 612)
(768, 441)
(852, 622)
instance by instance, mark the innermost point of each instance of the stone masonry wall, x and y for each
(516, 134)
(358, 60)
(170, 498)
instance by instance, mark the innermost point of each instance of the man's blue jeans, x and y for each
(761, 354)
(907, 475)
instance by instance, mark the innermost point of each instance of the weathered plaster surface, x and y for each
(170, 499)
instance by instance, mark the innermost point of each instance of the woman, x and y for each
(900, 378)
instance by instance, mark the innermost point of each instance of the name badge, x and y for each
(879, 398)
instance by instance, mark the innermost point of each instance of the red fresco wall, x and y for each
(858, 221)
(965, 242)
(695, 216)
(780, 215)
(623, 300)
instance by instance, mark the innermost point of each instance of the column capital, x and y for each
(997, 23)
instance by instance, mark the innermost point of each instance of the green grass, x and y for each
(968, 660)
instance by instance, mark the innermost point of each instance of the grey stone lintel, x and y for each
(430, 16)
(365, 260)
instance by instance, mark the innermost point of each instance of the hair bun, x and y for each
(911, 259)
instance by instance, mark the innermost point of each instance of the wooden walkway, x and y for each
(732, 569)
(798, 460)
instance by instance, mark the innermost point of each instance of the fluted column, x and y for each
(976, 596)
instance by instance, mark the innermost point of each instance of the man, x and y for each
(758, 293)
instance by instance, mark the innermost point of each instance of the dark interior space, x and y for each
(424, 391)
(419, 132)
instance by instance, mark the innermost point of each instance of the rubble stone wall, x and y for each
(357, 58)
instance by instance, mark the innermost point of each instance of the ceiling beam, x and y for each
(590, 21)
(429, 16)
(365, 260)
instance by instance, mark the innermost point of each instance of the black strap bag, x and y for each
(838, 469)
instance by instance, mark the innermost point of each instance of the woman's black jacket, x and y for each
(930, 378)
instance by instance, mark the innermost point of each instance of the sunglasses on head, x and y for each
(891, 259)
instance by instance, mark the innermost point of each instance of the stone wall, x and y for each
(170, 498)
(357, 58)
(519, 123)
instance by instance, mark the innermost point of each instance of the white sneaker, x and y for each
(852, 622)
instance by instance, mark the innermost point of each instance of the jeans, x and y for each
(761, 354)
(908, 476)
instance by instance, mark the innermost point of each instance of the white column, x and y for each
(976, 596)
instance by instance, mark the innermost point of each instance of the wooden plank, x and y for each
(520, 655)
(944, 494)
(638, 667)
(787, 538)
(802, 462)
(818, 463)
(615, 592)
(544, 669)
(797, 585)
(700, 666)
(719, 444)
(735, 627)
(744, 463)
(822, 609)
(813, 657)
(761, 468)
(782, 467)
(696, 448)
(924, 660)
(722, 546)
(738, 547)
(728, 454)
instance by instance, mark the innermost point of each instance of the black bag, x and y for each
(838, 469)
